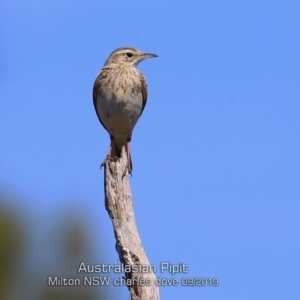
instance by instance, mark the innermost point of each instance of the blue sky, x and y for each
(216, 178)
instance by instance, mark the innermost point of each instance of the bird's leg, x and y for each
(129, 162)
(108, 158)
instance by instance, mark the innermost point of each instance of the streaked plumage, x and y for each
(120, 96)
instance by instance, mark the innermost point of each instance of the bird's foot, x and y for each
(109, 159)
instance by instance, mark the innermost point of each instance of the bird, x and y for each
(119, 97)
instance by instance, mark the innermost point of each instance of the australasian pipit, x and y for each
(120, 96)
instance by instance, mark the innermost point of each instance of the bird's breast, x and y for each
(120, 102)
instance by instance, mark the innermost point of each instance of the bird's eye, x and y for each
(129, 54)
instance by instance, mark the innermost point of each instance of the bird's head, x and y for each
(127, 56)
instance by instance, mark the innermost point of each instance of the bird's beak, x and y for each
(148, 55)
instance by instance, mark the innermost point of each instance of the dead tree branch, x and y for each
(139, 275)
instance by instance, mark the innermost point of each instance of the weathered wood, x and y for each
(119, 205)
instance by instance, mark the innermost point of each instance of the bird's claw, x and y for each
(108, 160)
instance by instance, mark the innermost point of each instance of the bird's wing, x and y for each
(96, 90)
(144, 92)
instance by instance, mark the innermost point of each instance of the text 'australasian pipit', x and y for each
(120, 96)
